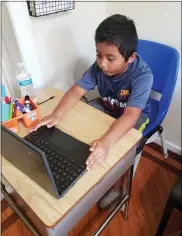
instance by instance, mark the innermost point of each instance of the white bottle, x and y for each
(24, 81)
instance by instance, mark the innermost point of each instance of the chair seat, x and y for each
(176, 195)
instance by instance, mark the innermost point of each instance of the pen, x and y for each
(11, 110)
(46, 100)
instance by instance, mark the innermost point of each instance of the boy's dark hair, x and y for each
(120, 31)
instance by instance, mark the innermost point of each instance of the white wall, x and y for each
(161, 22)
(10, 53)
(65, 42)
(9, 36)
(20, 20)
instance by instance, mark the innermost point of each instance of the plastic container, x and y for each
(24, 81)
(29, 119)
(12, 124)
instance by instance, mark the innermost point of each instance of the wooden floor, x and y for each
(152, 183)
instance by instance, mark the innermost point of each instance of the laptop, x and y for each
(51, 158)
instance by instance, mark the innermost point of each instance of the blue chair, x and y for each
(164, 62)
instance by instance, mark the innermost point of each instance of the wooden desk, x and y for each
(86, 124)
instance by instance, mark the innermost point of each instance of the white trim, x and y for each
(24, 34)
(170, 146)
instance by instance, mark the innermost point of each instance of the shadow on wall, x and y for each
(60, 51)
(81, 66)
(64, 63)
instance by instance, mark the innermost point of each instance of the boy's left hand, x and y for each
(99, 152)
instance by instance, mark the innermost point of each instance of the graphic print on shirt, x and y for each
(115, 106)
(124, 94)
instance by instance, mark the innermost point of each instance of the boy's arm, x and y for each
(85, 84)
(138, 98)
(118, 129)
(70, 98)
(121, 126)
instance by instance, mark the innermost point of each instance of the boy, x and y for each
(124, 82)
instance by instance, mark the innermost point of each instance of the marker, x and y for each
(11, 110)
(20, 106)
(7, 100)
(14, 110)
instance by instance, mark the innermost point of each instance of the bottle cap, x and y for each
(27, 97)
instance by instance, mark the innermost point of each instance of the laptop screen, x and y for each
(65, 145)
(59, 139)
(26, 159)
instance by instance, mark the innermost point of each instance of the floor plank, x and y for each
(4, 205)
(7, 224)
(82, 227)
(152, 183)
(102, 217)
(9, 211)
(115, 226)
(3, 217)
(18, 228)
(93, 220)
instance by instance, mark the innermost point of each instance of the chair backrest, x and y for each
(164, 62)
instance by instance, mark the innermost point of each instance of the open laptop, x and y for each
(50, 157)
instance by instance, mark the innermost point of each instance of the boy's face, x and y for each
(109, 59)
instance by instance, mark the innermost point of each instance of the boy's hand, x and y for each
(99, 152)
(48, 121)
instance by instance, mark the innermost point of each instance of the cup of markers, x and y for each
(14, 110)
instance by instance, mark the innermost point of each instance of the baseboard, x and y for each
(172, 147)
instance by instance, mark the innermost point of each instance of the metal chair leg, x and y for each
(165, 218)
(128, 190)
(163, 142)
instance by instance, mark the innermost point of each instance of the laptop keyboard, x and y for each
(63, 170)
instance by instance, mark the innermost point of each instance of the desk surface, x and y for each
(86, 124)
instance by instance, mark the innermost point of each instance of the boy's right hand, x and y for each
(48, 121)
